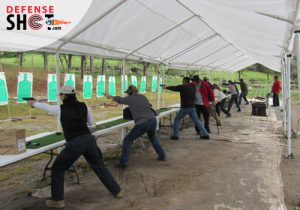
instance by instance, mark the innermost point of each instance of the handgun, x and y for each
(28, 98)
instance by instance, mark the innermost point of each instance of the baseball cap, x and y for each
(67, 90)
(131, 88)
(195, 78)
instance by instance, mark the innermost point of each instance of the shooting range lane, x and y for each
(236, 170)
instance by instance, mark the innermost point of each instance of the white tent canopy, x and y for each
(188, 34)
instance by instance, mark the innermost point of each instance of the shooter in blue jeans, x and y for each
(187, 107)
(145, 122)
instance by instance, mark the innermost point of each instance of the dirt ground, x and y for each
(237, 169)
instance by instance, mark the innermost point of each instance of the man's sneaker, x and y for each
(239, 110)
(119, 194)
(175, 138)
(229, 115)
(204, 137)
(55, 204)
(121, 166)
(161, 158)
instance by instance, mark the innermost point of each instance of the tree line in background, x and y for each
(66, 62)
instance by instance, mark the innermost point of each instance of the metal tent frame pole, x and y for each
(163, 81)
(289, 114)
(283, 105)
(122, 89)
(58, 124)
(227, 76)
(159, 76)
(297, 43)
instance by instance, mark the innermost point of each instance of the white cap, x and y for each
(67, 90)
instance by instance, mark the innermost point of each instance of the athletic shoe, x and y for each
(205, 137)
(229, 115)
(175, 138)
(161, 158)
(119, 194)
(55, 204)
(121, 166)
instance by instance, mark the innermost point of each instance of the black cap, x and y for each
(131, 88)
(195, 78)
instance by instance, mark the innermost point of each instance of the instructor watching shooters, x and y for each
(187, 107)
(75, 118)
(145, 121)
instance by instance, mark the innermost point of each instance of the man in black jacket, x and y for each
(244, 91)
(187, 107)
(75, 118)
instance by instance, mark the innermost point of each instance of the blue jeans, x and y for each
(244, 96)
(234, 98)
(136, 132)
(192, 113)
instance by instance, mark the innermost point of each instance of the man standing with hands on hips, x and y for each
(75, 118)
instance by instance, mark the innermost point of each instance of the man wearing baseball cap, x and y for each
(187, 107)
(75, 118)
(145, 122)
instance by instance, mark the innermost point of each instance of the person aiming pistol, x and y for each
(75, 118)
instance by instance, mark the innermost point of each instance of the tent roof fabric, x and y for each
(187, 34)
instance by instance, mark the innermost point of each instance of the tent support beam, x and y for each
(297, 40)
(214, 52)
(275, 17)
(173, 57)
(283, 104)
(58, 125)
(158, 92)
(122, 90)
(92, 23)
(160, 35)
(94, 45)
(289, 123)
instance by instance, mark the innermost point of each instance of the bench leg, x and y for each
(73, 169)
(47, 168)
